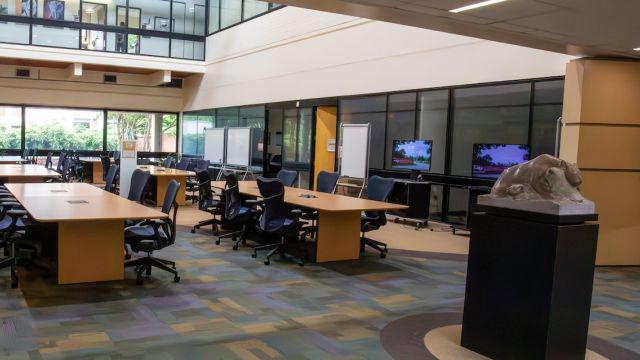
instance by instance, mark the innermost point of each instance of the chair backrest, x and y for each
(170, 203)
(116, 155)
(106, 163)
(276, 159)
(203, 164)
(111, 176)
(34, 156)
(63, 155)
(275, 212)
(287, 177)
(327, 181)
(49, 162)
(183, 164)
(204, 188)
(168, 162)
(139, 180)
(379, 189)
(64, 172)
(232, 198)
(25, 153)
(144, 161)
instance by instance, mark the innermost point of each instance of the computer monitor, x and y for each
(490, 160)
(411, 155)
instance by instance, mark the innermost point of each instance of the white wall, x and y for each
(296, 53)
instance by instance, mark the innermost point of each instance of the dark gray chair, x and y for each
(207, 202)
(106, 163)
(153, 235)
(236, 215)
(111, 177)
(169, 162)
(287, 177)
(139, 180)
(326, 183)
(12, 225)
(379, 189)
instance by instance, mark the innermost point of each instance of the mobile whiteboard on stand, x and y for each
(239, 149)
(354, 154)
(215, 147)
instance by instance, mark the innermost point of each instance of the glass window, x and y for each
(253, 8)
(15, 7)
(372, 110)
(227, 117)
(55, 129)
(189, 16)
(488, 115)
(151, 45)
(432, 125)
(62, 10)
(547, 110)
(253, 117)
(94, 13)
(363, 104)
(401, 120)
(230, 12)
(56, 36)
(193, 126)
(15, 33)
(150, 15)
(10, 127)
(154, 132)
(214, 16)
(296, 143)
(186, 49)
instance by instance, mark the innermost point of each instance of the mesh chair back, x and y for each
(65, 169)
(233, 201)
(106, 163)
(379, 189)
(168, 162)
(49, 162)
(203, 164)
(170, 196)
(183, 164)
(63, 155)
(169, 225)
(275, 212)
(144, 161)
(204, 188)
(327, 181)
(139, 180)
(287, 177)
(111, 176)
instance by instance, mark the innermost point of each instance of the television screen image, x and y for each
(490, 160)
(411, 155)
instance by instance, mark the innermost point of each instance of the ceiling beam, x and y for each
(73, 71)
(159, 78)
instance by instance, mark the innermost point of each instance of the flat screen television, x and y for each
(411, 155)
(490, 160)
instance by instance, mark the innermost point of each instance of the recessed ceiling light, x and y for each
(636, 49)
(476, 5)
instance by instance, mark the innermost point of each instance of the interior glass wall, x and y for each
(401, 121)
(10, 127)
(547, 110)
(372, 110)
(226, 13)
(153, 132)
(193, 125)
(71, 129)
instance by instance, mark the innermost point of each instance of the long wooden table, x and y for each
(163, 177)
(338, 218)
(25, 173)
(12, 160)
(90, 226)
(96, 168)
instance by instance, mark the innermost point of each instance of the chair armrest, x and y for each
(254, 202)
(370, 218)
(17, 213)
(296, 214)
(9, 203)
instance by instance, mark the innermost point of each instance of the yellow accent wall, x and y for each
(326, 122)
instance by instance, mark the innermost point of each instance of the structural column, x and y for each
(601, 134)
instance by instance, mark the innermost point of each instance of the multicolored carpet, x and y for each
(230, 306)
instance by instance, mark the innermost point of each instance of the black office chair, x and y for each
(49, 162)
(34, 156)
(65, 170)
(116, 157)
(378, 189)
(111, 177)
(139, 180)
(183, 164)
(235, 215)
(152, 235)
(207, 203)
(144, 161)
(287, 177)
(25, 153)
(61, 157)
(11, 223)
(326, 183)
(192, 183)
(168, 162)
(277, 219)
(106, 163)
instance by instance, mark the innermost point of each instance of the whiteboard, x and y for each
(355, 150)
(214, 145)
(239, 146)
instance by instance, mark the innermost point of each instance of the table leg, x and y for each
(338, 236)
(97, 173)
(161, 189)
(90, 251)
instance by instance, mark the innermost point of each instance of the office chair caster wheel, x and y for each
(14, 283)
(383, 255)
(396, 220)
(267, 262)
(235, 247)
(217, 242)
(176, 279)
(193, 231)
(301, 264)
(254, 255)
(139, 280)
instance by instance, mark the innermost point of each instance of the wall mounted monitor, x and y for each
(490, 160)
(411, 155)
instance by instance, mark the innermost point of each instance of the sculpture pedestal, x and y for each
(529, 284)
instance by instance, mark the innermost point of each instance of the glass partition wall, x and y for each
(85, 130)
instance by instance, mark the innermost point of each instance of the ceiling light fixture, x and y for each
(636, 49)
(476, 5)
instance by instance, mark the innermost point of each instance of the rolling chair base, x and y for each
(213, 222)
(10, 262)
(377, 245)
(276, 249)
(144, 265)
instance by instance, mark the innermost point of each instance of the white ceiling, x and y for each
(575, 27)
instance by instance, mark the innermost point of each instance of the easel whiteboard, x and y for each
(354, 162)
(214, 145)
(239, 147)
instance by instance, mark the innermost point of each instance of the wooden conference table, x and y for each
(163, 177)
(12, 160)
(27, 173)
(96, 168)
(90, 226)
(338, 218)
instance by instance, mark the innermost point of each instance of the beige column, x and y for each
(601, 134)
